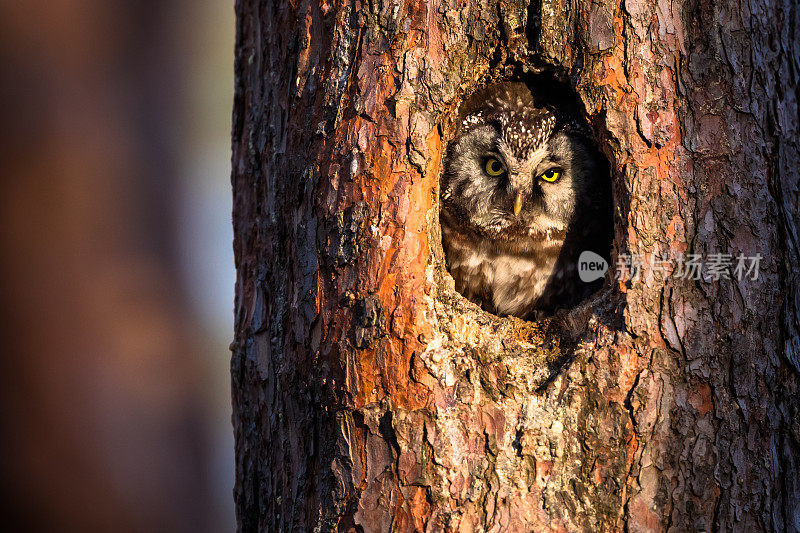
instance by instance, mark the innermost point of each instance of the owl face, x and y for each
(513, 172)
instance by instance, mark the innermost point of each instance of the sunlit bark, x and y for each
(368, 395)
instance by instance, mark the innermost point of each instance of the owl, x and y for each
(524, 192)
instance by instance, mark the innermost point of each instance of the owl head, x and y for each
(514, 171)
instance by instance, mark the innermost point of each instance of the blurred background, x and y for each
(116, 269)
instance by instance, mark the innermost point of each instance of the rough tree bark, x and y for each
(369, 396)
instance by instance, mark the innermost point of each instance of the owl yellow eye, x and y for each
(494, 167)
(551, 175)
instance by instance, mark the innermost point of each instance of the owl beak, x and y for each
(518, 204)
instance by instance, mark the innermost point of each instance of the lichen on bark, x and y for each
(370, 396)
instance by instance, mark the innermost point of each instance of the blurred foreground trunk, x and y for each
(369, 396)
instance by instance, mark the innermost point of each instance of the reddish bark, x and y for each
(368, 395)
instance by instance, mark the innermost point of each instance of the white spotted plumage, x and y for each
(505, 236)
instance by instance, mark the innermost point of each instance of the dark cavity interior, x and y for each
(520, 269)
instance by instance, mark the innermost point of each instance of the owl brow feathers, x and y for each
(524, 131)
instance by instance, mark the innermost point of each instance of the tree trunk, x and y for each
(370, 396)
(105, 419)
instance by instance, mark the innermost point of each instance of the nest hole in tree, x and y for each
(517, 242)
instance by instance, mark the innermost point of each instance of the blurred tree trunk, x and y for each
(368, 396)
(103, 396)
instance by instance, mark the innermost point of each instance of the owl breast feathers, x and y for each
(524, 192)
